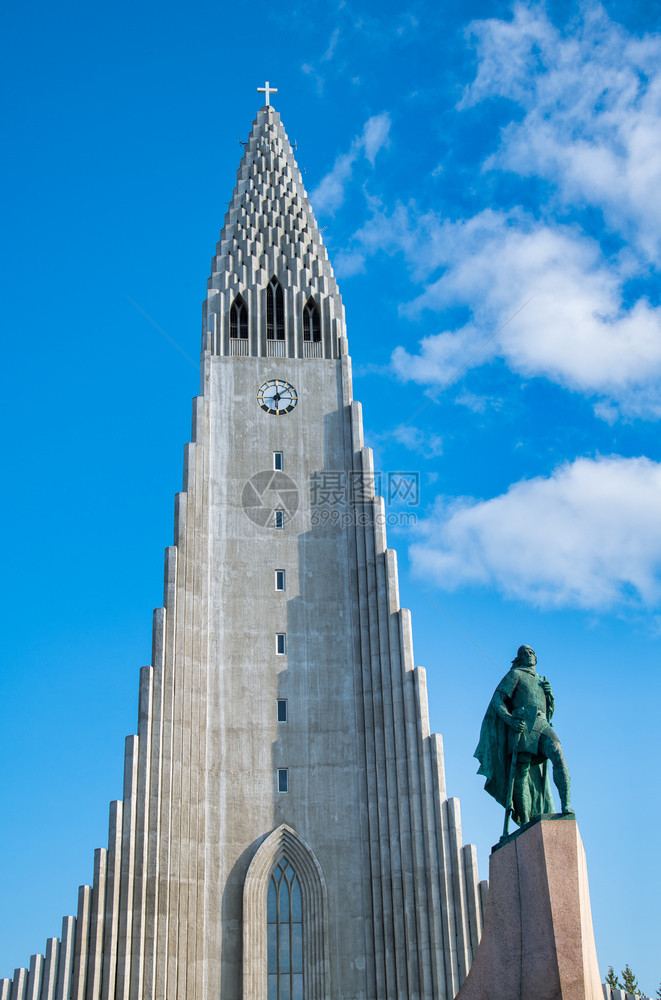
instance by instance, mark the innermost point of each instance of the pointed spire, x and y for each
(270, 230)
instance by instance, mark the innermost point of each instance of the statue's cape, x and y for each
(496, 760)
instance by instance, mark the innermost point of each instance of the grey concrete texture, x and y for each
(392, 902)
(538, 941)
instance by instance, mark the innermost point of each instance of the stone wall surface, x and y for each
(538, 942)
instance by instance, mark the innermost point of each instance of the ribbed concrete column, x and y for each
(377, 795)
(156, 955)
(81, 948)
(50, 969)
(143, 978)
(469, 857)
(428, 763)
(19, 989)
(111, 918)
(458, 887)
(129, 810)
(140, 877)
(95, 960)
(65, 963)
(483, 886)
(5, 989)
(35, 976)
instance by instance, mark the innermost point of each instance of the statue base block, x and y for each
(538, 942)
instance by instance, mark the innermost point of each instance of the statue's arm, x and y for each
(502, 694)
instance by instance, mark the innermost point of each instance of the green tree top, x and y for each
(612, 981)
(629, 982)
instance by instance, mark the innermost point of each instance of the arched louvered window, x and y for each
(284, 934)
(311, 323)
(275, 311)
(239, 319)
(272, 917)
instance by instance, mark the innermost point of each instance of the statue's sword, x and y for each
(510, 787)
(545, 765)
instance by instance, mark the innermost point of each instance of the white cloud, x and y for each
(329, 193)
(592, 103)
(316, 77)
(589, 536)
(348, 263)
(376, 135)
(478, 404)
(404, 230)
(415, 439)
(332, 45)
(542, 297)
(541, 294)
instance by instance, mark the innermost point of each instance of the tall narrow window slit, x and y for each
(311, 321)
(239, 319)
(275, 311)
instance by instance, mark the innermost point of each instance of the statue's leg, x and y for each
(553, 750)
(521, 793)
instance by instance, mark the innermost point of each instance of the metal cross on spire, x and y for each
(267, 91)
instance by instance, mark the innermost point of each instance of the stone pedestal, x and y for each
(538, 942)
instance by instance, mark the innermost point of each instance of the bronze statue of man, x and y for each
(517, 740)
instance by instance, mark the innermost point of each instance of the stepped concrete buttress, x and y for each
(538, 942)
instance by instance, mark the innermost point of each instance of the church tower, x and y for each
(284, 832)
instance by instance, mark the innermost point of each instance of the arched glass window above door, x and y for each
(285, 934)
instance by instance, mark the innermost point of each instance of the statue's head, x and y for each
(525, 657)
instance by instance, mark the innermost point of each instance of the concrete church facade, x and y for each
(284, 831)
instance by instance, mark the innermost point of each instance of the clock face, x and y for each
(277, 397)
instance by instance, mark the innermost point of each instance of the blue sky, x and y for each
(487, 177)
